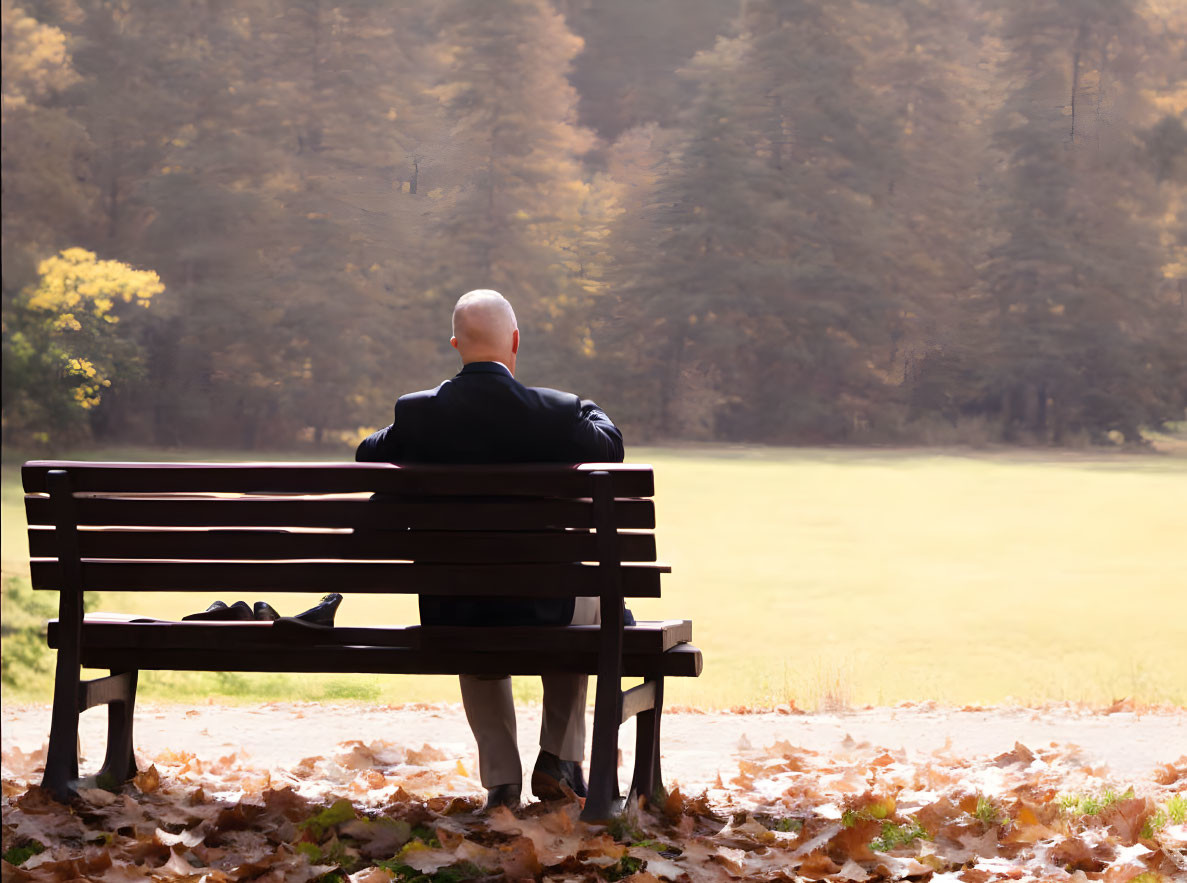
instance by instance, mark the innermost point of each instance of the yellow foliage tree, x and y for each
(62, 347)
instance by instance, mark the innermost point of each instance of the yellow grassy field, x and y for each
(836, 576)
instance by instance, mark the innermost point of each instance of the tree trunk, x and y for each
(1080, 34)
(1041, 410)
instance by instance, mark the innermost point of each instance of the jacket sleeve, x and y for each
(379, 447)
(372, 449)
(597, 438)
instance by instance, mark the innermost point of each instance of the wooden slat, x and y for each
(629, 480)
(509, 580)
(458, 546)
(645, 637)
(359, 513)
(684, 660)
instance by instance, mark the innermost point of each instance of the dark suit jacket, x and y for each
(484, 415)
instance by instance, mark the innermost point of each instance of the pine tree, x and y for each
(510, 216)
(1071, 325)
(761, 299)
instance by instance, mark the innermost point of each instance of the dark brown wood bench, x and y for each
(223, 530)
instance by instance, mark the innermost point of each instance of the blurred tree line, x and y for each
(785, 221)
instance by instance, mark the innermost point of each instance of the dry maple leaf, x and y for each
(1128, 817)
(148, 780)
(1019, 754)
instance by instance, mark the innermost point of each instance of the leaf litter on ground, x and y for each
(380, 811)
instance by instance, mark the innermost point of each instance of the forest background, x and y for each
(780, 221)
(832, 230)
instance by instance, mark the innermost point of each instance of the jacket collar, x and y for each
(485, 368)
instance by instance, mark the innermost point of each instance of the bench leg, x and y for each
(72, 697)
(648, 779)
(119, 764)
(603, 801)
(61, 761)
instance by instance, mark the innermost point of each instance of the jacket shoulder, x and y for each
(413, 399)
(555, 398)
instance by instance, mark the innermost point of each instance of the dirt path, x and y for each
(697, 747)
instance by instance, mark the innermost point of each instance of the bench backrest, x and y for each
(522, 530)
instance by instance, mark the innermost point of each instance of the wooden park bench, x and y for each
(222, 530)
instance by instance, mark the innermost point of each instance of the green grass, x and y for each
(834, 577)
(898, 836)
(1174, 812)
(1092, 804)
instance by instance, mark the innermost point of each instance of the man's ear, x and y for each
(515, 341)
(453, 342)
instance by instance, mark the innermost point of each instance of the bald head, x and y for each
(484, 328)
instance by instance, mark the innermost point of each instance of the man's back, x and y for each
(484, 415)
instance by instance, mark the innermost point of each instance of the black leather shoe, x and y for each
(552, 775)
(220, 612)
(502, 795)
(262, 610)
(323, 612)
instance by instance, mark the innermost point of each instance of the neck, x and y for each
(508, 364)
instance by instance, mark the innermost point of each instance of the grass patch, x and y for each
(839, 578)
(988, 813)
(898, 836)
(1091, 804)
(1174, 812)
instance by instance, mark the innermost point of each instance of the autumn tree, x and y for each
(48, 197)
(64, 345)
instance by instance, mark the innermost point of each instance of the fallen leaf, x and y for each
(148, 780)
(188, 839)
(1019, 754)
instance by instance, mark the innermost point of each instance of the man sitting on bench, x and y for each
(484, 415)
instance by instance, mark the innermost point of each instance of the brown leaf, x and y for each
(148, 780)
(427, 754)
(37, 800)
(1075, 855)
(817, 866)
(286, 802)
(307, 767)
(854, 842)
(677, 804)
(238, 817)
(1128, 817)
(937, 814)
(1019, 754)
(92, 863)
(1169, 773)
(518, 859)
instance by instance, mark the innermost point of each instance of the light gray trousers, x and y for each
(490, 710)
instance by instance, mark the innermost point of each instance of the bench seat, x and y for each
(658, 648)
